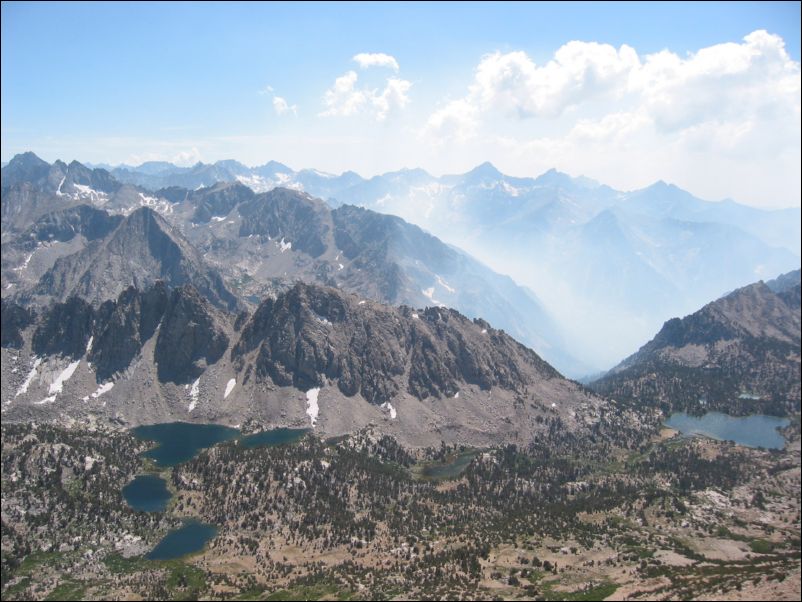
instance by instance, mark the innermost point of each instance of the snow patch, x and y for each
(50, 399)
(429, 292)
(361, 302)
(341, 266)
(312, 408)
(216, 218)
(104, 388)
(89, 462)
(28, 379)
(193, 393)
(60, 184)
(284, 246)
(25, 263)
(89, 343)
(414, 316)
(229, 387)
(444, 284)
(456, 395)
(388, 406)
(553, 405)
(65, 375)
(484, 330)
(84, 191)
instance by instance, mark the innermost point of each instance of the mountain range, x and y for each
(610, 266)
(229, 240)
(739, 354)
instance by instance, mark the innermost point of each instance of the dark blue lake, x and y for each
(751, 431)
(147, 493)
(180, 441)
(189, 538)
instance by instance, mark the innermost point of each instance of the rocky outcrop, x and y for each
(123, 326)
(283, 213)
(15, 318)
(188, 340)
(312, 334)
(738, 354)
(218, 200)
(65, 329)
(141, 250)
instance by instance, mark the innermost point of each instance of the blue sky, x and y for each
(130, 82)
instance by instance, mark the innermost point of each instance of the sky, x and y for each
(703, 95)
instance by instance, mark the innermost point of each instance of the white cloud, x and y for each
(723, 121)
(726, 84)
(393, 96)
(457, 120)
(281, 106)
(376, 59)
(579, 72)
(345, 99)
(187, 157)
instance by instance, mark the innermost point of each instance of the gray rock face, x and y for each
(289, 214)
(123, 326)
(141, 250)
(312, 334)
(218, 200)
(15, 318)
(740, 353)
(66, 224)
(188, 340)
(65, 329)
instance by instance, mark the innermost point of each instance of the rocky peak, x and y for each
(289, 214)
(190, 337)
(311, 334)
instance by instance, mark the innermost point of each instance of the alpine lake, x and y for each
(756, 430)
(178, 442)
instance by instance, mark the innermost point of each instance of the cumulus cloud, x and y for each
(345, 99)
(458, 120)
(721, 121)
(721, 87)
(376, 59)
(281, 106)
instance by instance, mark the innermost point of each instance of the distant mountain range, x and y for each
(601, 269)
(610, 266)
(228, 302)
(739, 354)
(236, 247)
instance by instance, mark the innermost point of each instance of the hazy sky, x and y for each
(706, 96)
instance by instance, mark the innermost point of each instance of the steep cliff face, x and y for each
(142, 249)
(164, 354)
(740, 353)
(189, 340)
(311, 334)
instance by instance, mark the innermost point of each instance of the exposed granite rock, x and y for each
(312, 333)
(123, 326)
(283, 213)
(65, 329)
(141, 250)
(188, 339)
(739, 354)
(15, 318)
